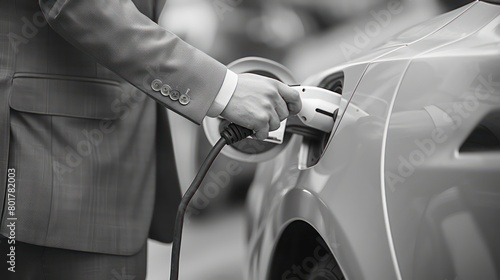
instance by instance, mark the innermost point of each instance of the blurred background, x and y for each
(307, 36)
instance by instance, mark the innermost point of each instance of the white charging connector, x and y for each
(318, 107)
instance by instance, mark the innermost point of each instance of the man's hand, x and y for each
(261, 103)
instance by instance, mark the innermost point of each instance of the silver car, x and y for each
(407, 184)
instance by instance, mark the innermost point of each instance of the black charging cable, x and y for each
(232, 134)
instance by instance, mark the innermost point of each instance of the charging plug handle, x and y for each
(295, 125)
(235, 133)
(319, 108)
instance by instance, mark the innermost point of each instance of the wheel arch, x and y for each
(301, 217)
(299, 252)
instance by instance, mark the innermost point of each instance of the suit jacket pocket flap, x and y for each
(63, 96)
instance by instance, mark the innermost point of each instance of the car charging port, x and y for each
(314, 122)
(314, 141)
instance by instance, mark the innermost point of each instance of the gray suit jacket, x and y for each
(92, 155)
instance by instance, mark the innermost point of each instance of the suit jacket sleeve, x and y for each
(129, 43)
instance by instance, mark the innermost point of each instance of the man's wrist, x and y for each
(225, 93)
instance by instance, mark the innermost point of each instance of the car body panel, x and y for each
(437, 220)
(440, 188)
(421, 31)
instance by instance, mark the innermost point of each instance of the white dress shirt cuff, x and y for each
(225, 93)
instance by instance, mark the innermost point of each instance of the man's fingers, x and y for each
(261, 104)
(274, 122)
(262, 133)
(291, 97)
(282, 109)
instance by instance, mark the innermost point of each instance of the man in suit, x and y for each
(86, 162)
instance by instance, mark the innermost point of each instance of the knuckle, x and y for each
(263, 123)
(268, 106)
(261, 120)
(264, 116)
(271, 94)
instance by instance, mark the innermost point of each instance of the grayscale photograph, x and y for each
(249, 139)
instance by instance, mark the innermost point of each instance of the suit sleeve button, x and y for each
(175, 95)
(184, 99)
(156, 85)
(165, 90)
